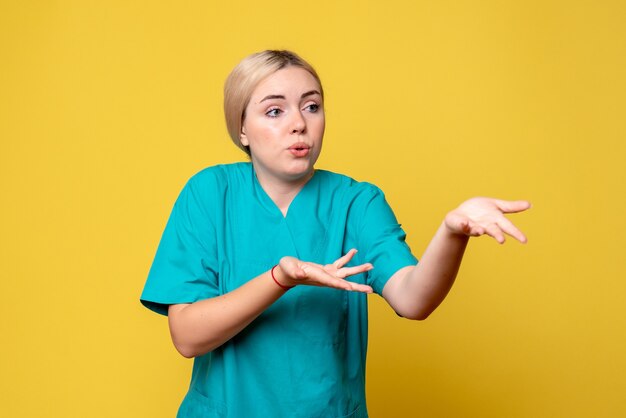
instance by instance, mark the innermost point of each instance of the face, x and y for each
(284, 125)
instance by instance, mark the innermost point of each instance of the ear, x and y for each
(243, 138)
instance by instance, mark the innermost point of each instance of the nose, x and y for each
(298, 123)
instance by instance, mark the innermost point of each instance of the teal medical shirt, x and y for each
(305, 355)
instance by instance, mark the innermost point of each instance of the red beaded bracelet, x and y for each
(285, 288)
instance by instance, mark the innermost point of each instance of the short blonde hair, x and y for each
(244, 78)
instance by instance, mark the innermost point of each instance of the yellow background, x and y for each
(106, 108)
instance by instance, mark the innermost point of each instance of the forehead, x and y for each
(289, 81)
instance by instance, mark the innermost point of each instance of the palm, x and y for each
(483, 215)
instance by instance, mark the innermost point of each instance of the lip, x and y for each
(299, 146)
(299, 149)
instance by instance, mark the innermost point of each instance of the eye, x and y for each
(274, 112)
(313, 107)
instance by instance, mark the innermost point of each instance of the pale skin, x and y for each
(286, 111)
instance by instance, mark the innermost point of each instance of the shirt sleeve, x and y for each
(382, 240)
(185, 269)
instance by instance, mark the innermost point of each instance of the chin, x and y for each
(296, 173)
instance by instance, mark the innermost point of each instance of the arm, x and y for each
(415, 292)
(202, 326)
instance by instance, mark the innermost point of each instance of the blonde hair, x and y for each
(244, 78)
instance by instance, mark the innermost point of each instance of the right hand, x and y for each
(292, 272)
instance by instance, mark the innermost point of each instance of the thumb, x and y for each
(457, 222)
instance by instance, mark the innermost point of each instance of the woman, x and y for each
(243, 272)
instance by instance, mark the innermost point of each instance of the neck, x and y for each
(281, 191)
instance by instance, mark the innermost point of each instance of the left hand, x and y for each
(484, 215)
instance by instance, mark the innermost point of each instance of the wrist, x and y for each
(452, 233)
(280, 278)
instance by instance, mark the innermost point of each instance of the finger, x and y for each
(351, 271)
(508, 227)
(457, 223)
(336, 283)
(342, 261)
(319, 277)
(363, 288)
(347, 285)
(474, 229)
(465, 227)
(493, 230)
(512, 206)
(478, 231)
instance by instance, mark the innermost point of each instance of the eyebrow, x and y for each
(280, 96)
